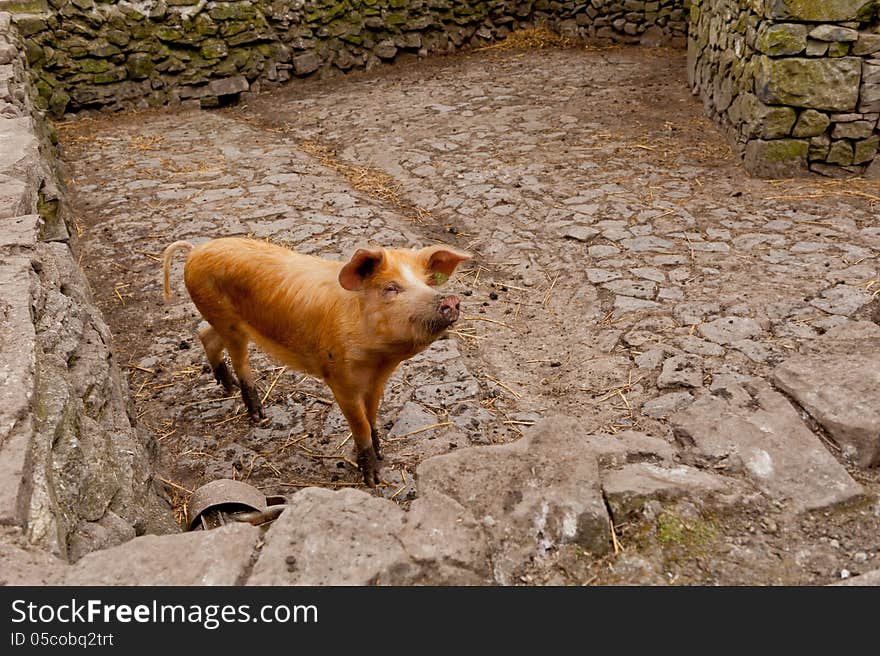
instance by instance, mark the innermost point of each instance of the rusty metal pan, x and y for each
(231, 495)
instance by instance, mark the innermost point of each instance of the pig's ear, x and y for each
(441, 261)
(363, 264)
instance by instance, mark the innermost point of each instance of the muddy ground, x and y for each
(609, 221)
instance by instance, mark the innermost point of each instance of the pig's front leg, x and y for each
(372, 399)
(356, 414)
(374, 437)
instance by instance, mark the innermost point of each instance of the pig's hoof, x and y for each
(251, 399)
(366, 461)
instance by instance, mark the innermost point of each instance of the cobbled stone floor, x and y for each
(612, 228)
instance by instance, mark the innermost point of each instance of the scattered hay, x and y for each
(534, 38)
(142, 143)
(816, 190)
(178, 496)
(370, 180)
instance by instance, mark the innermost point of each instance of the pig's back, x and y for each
(289, 302)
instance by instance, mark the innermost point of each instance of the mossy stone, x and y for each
(44, 90)
(33, 53)
(89, 65)
(821, 10)
(839, 49)
(776, 158)
(811, 123)
(827, 84)
(167, 33)
(118, 37)
(777, 122)
(113, 75)
(214, 49)
(841, 152)
(232, 11)
(205, 26)
(140, 65)
(58, 102)
(819, 148)
(866, 150)
(782, 39)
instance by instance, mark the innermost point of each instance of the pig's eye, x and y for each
(391, 290)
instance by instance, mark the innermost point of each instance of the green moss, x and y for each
(166, 33)
(838, 49)
(783, 39)
(693, 535)
(89, 65)
(115, 75)
(785, 150)
(57, 105)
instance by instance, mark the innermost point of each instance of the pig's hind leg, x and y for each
(214, 345)
(237, 346)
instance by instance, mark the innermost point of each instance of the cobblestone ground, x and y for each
(613, 231)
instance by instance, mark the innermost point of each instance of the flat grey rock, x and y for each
(681, 371)
(412, 417)
(665, 405)
(726, 330)
(751, 426)
(845, 300)
(636, 288)
(579, 233)
(842, 392)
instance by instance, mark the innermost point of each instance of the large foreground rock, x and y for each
(871, 578)
(353, 538)
(842, 392)
(218, 557)
(749, 425)
(532, 496)
(20, 566)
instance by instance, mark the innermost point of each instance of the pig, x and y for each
(348, 323)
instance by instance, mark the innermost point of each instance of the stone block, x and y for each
(834, 33)
(782, 39)
(811, 123)
(865, 151)
(819, 10)
(825, 84)
(841, 152)
(853, 130)
(778, 158)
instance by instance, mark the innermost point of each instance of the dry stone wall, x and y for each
(121, 54)
(75, 473)
(795, 84)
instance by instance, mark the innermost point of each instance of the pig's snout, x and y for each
(448, 309)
